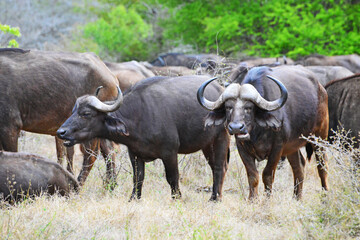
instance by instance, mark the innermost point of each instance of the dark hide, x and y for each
(262, 134)
(39, 88)
(26, 175)
(159, 118)
(344, 102)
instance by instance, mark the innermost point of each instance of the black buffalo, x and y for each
(269, 129)
(157, 118)
(26, 175)
(39, 88)
(344, 102)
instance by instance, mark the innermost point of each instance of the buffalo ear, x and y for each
(215, 118)
(268, 120)
(116, 126)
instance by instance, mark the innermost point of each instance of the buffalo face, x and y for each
(239, 117)
(242, 106)
(90, 119)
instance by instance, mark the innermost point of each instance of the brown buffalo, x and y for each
(269, 129)
(26, 175)
(39, 88)
(129, 73)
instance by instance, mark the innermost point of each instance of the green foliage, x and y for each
(121, 32)
(13, 31)
(130, 28)
(268, 28)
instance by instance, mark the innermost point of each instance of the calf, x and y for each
(28, 175)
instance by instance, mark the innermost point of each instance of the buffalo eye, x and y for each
(248, 110)
(85, 115)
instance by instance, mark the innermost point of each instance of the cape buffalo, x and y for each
(351, 62)
(267, 61)
(39, 88)
(129, 73)
(269, 129)
(171, 71)
(157, 118)
(26, 175)
(326, 74)
(191, 61)
(344, 102)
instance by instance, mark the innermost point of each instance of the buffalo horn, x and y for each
(248, 92)
(104, 107)
(208, 105)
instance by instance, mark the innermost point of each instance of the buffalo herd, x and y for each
(175, 104)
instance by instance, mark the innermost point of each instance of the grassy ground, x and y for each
(98, 214)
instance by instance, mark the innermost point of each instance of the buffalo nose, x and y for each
(235, 128)
(61, 132)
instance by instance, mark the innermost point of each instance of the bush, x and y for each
(259, 28)
(269, 28)
(121, 33)
(13, 31)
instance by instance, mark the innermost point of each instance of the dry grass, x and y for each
(98, 214)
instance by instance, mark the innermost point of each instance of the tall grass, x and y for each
(96, 213)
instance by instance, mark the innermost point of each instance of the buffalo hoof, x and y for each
(176, 195)
(215, 198)
(134, 196)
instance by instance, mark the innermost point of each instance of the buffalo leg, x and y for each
(138, 175)
(251, 171)
(322, 166)
(269, 171)
(172, 175)
(297, 163)
(106, 147)
(60, 149)
(9, 141)
(217, 155)
(70, 151)
(89, 150)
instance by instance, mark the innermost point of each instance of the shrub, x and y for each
(259, 28)
(269, 28)
(13, 31)
(121, 33)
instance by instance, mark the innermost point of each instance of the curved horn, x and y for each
(98, 90)
(103, 107)
(249, 92)
(208, 105)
